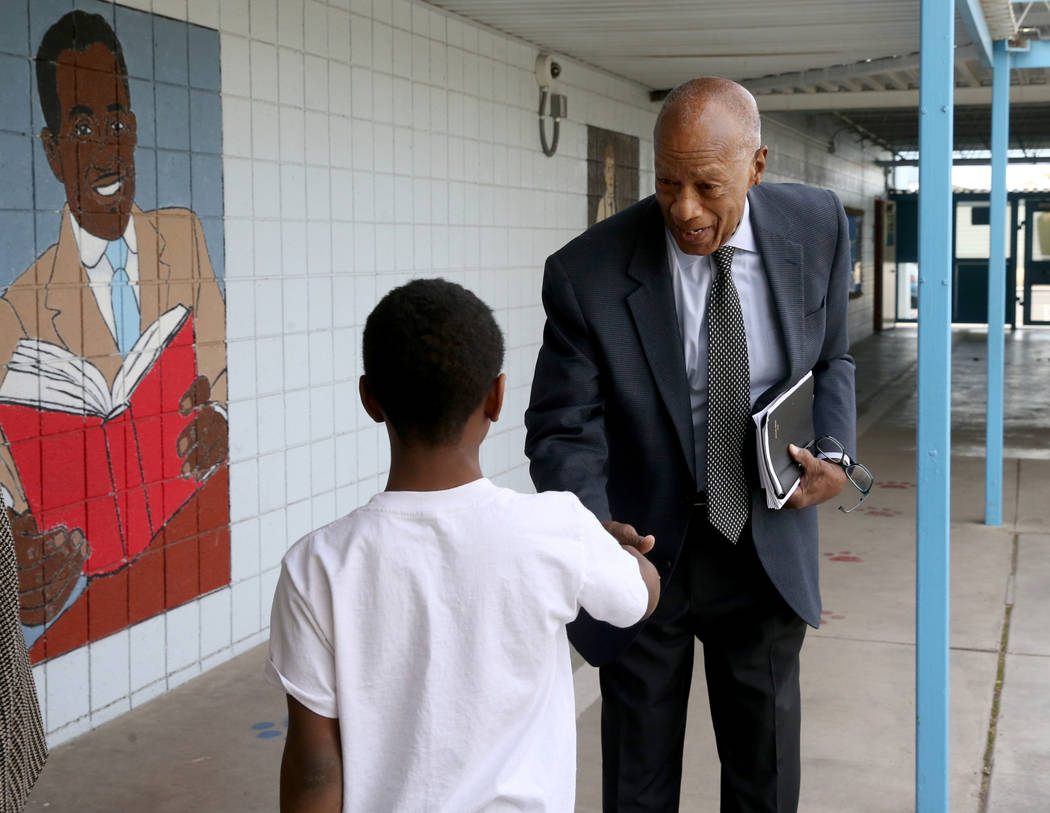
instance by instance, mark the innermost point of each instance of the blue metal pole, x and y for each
(936, 111)
(993, 475)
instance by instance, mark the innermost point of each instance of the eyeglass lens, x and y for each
(860, 477)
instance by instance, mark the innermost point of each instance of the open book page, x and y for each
(144, 354)
(46, 376)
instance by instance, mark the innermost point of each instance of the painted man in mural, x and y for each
(112, 401)
(607, 204)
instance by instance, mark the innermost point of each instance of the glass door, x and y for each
(1037, 263)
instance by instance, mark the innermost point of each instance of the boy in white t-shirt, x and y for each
(421, 639)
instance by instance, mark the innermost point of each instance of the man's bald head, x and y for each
(687, 104)
(707, 154)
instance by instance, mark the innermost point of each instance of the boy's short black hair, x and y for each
(432, 351)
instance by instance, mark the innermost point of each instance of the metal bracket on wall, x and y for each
(559, 109)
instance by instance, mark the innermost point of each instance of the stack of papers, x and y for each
(788, 419)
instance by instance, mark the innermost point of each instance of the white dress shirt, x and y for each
(692, 276)
(100, 273)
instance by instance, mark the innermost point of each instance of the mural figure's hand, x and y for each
(204, 442)
(49, 565)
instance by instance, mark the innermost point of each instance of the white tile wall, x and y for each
(110, 674)
(68, 686)
(366, 142)
(215, 621)
(182, 636)
(147, 657)
(799, 152)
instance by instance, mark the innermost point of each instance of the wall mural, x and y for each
(612, 172)
(113, 436)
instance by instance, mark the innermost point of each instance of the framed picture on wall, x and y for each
(855, 220)
(612, 172)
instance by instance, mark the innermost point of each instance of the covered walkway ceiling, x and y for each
(855, 58)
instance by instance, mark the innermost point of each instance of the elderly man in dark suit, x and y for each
(668, 325)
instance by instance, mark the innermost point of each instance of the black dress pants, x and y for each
(718, 593)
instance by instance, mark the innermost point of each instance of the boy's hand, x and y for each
(627, 536)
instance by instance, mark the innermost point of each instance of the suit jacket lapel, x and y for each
(653, 308)
(74, 312)
(782, 259)
(154, 273)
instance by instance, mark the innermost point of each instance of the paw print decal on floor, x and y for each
(267, 731)
(843, 556)
(879, 511)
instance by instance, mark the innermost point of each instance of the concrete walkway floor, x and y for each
(214, 744)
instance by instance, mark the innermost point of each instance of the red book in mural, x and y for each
(100, 458)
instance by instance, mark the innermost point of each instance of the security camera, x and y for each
(547, 70)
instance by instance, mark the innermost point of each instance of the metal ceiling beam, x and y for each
(974, 79)
(964, 162)
(888, 99)
(1036, 55)
(973, 18)
(895, 79)
(838, 73)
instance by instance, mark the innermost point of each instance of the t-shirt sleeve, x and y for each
(302, 659)
(611, 588)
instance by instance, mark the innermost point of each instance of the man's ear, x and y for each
(369, 402)
(758, 168)
(54, 160)
(494, 400)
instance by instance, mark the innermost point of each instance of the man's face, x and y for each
(702, 178)
(92, 154)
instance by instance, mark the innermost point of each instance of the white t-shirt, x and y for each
(432, 624)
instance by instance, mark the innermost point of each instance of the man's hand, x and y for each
(627, 536)
(204, 442)
(821, 479)
(49, 565)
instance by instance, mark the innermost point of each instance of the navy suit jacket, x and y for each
(610, 418)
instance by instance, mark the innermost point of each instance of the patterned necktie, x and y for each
(125, 306)
(728, 403)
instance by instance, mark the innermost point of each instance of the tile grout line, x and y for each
(1000, 676)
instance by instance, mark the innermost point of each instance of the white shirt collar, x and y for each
(743, 238)
(92, 247)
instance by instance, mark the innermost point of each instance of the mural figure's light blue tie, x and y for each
(125, 306)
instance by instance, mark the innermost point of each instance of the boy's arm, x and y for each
(650, 576)
(312, 766)
(636, 544)
(610, 591)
